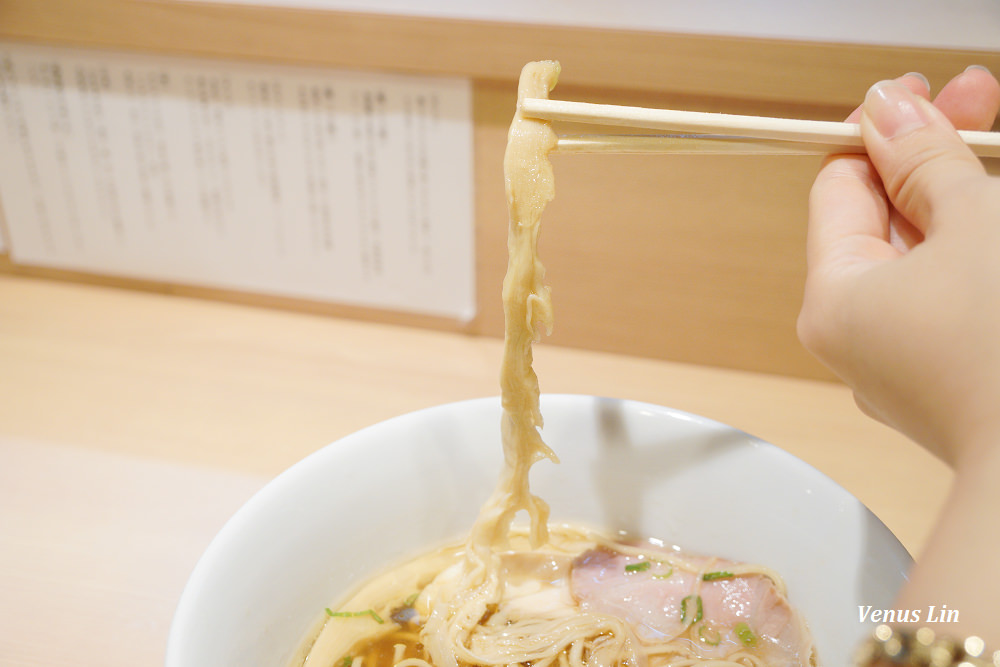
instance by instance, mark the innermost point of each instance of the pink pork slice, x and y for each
(651, 604)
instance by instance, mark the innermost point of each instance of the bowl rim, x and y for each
(208, 561)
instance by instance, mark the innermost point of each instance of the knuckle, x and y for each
(812, 326)
(911, 184)
(928, 180)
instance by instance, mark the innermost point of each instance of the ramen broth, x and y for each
(552, 594)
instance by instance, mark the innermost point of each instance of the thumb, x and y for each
(921, 159)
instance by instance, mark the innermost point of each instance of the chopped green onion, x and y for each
(745, 634)
(685, 612)
(664, 575)
(712, 576)
(410, 601)
(353, 614)
(347, 661)
(708, 635)
(638, 567)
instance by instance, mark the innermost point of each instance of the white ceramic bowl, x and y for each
(393, 490)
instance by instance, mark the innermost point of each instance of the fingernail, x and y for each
(918, 75)
(893, 109)
(982, 67)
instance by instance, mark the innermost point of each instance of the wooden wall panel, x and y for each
(691, 258)
(772, 70)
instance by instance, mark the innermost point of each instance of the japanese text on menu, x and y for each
(331, 185)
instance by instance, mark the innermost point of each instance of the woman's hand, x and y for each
(902, 298)
(902, 301)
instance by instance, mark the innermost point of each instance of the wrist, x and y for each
(977, 456)
(950, 570)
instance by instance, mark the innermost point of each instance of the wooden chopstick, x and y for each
(687, 144)
(830, 137)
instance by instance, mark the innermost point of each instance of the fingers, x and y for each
(914, 146)
(848, 214)
(917, 171)
(915, 81)
(852, 223)
(970, 100)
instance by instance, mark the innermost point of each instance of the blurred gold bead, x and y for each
(942, 655)
(893, 647)
(974, 646)
(922, 648)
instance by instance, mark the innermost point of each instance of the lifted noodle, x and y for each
(503, 597)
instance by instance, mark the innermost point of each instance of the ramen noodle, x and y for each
(541, 594)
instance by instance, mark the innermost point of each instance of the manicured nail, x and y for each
(918, 75)
(982, 67)
(893, 109)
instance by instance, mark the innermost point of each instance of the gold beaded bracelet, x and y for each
(922, 648)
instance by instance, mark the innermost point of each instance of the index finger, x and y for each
(848, 209)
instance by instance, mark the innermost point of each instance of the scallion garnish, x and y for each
(695, 614)
(708, 635)
(354, 614)
(410, 601)
(664, 575)
(347, 661)
(712, 576)
(638, 567)
(745, 634)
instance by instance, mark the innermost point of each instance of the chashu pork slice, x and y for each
(721, 615)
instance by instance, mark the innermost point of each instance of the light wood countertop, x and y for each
(133, 424)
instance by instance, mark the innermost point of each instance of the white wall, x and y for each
(962, 24)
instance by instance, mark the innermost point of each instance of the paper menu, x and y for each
(350, 187)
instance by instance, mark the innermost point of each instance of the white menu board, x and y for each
(349, 187)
